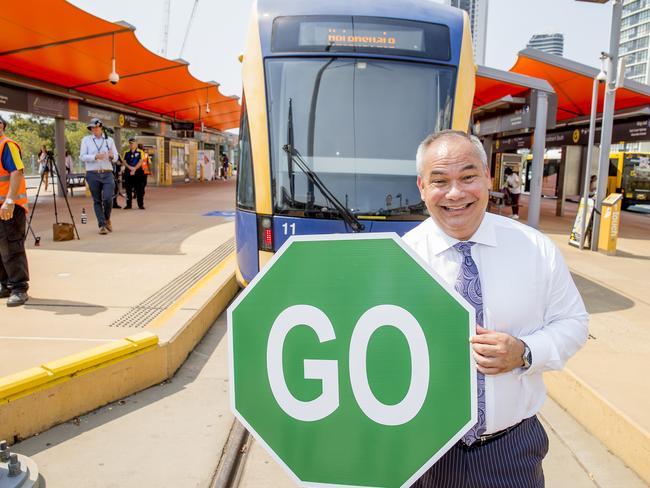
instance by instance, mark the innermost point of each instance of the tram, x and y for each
(629, 175)
(337, 96)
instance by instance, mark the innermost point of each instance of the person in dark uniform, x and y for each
(134, 174)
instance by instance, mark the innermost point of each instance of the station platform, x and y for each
(166, 269)
(119, 312)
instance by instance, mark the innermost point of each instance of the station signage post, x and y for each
(350, 361)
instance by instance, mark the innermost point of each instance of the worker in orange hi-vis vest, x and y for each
(14, 273)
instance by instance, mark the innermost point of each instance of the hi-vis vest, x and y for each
(145, 164)
(21, 197)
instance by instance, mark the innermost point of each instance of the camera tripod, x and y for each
(51, 163)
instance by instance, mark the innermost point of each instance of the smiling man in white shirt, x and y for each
(530, 317)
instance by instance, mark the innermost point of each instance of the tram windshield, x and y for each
(357, 123)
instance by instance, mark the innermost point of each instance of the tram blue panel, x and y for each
(246, 238)
(285, 227)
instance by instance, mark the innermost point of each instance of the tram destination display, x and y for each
(361, 34)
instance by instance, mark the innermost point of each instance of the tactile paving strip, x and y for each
(147, 310)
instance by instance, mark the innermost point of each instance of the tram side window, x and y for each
(245, 188)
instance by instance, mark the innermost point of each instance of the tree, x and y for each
(74, 132)
(31, 133)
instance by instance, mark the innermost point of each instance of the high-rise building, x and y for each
(635, 32)
(478, 13)
(549, 43)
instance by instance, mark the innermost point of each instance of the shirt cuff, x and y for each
(541, 351)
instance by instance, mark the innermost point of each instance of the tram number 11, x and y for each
(289, 227)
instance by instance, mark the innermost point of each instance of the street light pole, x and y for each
(601, 76)
(608, 116)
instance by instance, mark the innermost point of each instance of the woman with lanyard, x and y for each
(97, 152)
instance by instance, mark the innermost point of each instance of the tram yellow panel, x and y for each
(253, 81)
(466, 83)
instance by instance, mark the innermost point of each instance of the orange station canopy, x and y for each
(493, 85)
(573, 84)
(62, 45)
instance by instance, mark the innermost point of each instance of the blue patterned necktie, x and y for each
(468, 284)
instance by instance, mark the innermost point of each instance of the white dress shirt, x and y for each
(527, 292)
(91, 146)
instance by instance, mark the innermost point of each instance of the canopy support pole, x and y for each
(539, 147)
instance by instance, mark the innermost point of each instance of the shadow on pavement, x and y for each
(64, 307)
(624, 254)
(599, 299)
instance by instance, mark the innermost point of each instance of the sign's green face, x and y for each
(350, 362)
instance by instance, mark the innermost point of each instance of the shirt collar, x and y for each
(439, 242)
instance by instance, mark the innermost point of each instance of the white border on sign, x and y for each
(343, 237)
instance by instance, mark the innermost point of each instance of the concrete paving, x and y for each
(168, 435)
(79, 287)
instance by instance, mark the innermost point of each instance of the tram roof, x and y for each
(419, 10)
(573, 84)
(62, 45)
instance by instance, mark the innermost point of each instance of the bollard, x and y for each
(14, 466)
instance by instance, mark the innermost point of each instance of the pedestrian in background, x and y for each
(513, 184)
(98, 152)
(44, 165)
(68, 162)
(224, 165)
(529, 320)
(14, 273)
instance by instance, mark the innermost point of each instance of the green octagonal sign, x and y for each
(350, 361)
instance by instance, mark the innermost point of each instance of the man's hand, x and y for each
(7, 211)
(496, 352)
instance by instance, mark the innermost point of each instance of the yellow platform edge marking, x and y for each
(51, 373)
(171, 310)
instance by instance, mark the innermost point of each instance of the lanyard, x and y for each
(100, 144)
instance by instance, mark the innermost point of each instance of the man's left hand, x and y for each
(7, 211)
(496, 352)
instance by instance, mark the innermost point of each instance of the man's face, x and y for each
(455, 186)
(97, 131)
(133, 146)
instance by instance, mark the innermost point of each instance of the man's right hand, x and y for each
(7, 211)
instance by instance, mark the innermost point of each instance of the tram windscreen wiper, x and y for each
(345, 213)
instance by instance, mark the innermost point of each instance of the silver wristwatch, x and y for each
(9, 201)
(527, 357)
